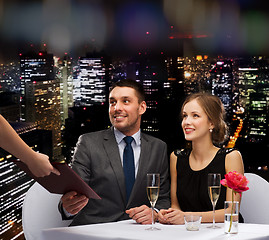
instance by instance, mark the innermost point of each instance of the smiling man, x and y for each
(125, 109)
(115, 168)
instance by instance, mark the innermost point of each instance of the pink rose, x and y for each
(238, 183)
(235, 181)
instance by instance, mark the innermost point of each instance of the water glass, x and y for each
(231, 217)
(192, 222)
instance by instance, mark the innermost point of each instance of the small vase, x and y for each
(231, 217)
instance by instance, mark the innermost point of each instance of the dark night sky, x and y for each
(122, 27)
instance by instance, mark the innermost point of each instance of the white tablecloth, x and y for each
(129, 230)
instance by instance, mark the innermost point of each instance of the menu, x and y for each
(67, 181)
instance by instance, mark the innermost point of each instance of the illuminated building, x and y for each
(14, 183)
(10, 77)
(41, 95)
(258, 117)
(222, 80)
(150, 72)
(253, 87)
(173, 95)
(64, 74)
(91, 82)
(34, 67)
(91, 79)
(175, 71)
(246, 82)
(43, 100)
(196, 74)
(252, 91)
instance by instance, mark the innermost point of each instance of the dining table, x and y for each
(130, 230)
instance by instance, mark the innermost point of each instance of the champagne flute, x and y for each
(153, 188)
(214, 192)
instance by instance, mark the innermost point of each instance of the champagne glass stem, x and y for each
(153, 187)
(213, 215)
(152, 223)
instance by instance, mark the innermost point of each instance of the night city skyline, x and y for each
(242, 84)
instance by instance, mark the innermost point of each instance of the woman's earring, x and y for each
(211, 130)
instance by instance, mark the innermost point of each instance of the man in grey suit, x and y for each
(98, 159)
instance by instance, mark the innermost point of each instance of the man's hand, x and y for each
(141, 214)
(73, 202)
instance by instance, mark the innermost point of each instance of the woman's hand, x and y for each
(162, 216)
(171, 216)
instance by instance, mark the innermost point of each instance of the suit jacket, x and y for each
(97, 161)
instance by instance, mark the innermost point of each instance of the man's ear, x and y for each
(142, 107)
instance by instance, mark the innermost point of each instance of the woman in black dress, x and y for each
(203, 125)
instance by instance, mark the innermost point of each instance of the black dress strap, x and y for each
(182, 152)
(226, 150)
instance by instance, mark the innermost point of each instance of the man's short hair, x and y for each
(131, 84)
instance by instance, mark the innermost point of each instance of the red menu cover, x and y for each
(66, 182)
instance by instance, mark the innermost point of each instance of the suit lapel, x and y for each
(112, 151)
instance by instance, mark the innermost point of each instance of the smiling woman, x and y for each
(203, 125)
(210, 109)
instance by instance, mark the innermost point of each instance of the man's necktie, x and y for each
(128, 166)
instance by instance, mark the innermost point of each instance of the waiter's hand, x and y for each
(74, 202)
(39, 164)
(142, 214)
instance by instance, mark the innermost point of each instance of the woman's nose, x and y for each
(186, 120)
